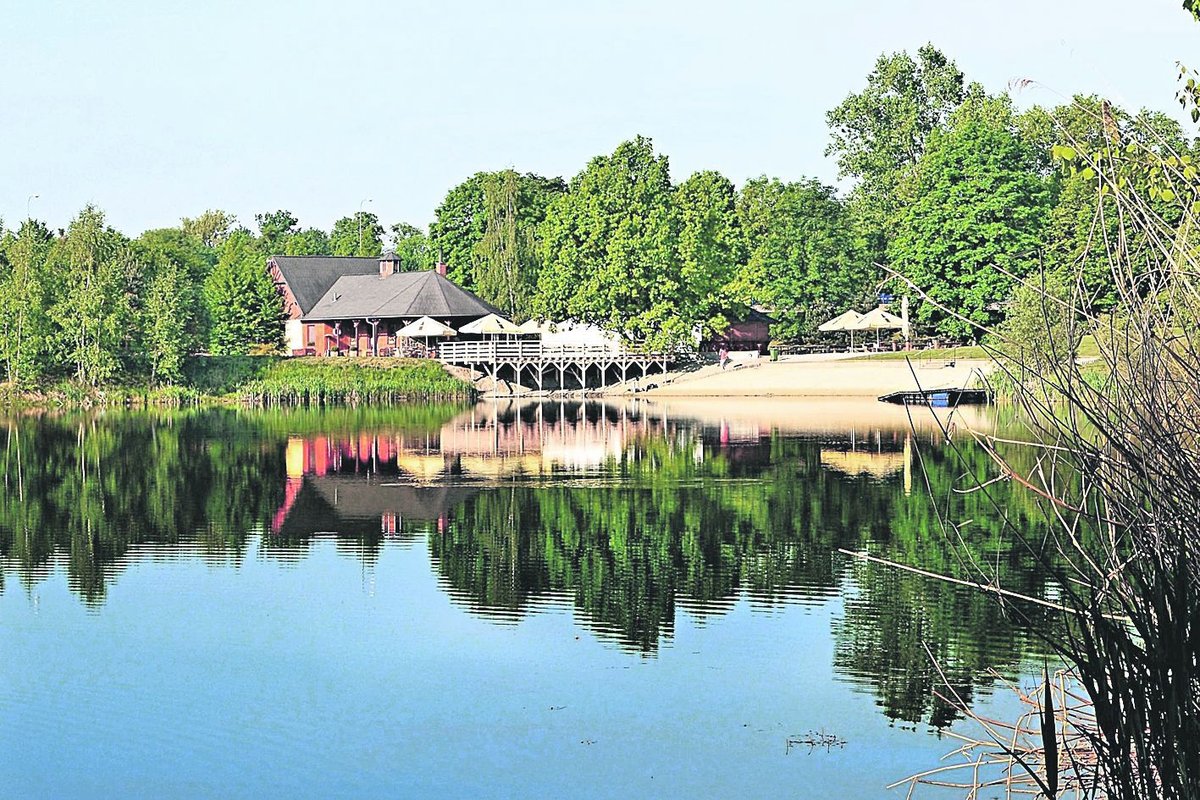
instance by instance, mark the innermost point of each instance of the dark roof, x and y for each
(389, 255)
(309, 277)
(404, 294)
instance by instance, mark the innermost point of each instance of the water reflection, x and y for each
(623, 512)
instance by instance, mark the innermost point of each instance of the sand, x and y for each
(816, 377)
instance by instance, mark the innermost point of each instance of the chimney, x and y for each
(440, 268)
(388, 263)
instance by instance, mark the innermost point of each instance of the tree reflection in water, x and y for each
(623, 511)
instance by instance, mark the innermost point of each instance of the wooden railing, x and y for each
(512, 350)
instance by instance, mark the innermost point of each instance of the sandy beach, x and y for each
(815, 376)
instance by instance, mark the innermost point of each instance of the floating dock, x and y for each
(939, 398)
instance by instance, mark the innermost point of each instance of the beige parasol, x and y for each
(425, 328)
(842, 322)
(880, 319)
(491, 325)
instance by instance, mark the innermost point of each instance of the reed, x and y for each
(1117, 477)
(323, 381)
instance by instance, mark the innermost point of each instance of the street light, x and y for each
(29, 200)
(360, 215)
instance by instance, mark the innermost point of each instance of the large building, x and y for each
(356, 305)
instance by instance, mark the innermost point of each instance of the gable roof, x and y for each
(404, 294)
(309, 277)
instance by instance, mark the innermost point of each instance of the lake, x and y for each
(570, 599)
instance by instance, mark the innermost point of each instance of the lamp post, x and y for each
(360, 213)
(29, 200)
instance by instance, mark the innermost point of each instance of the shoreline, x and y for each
(837, 376)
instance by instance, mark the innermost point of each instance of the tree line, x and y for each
(954, 193)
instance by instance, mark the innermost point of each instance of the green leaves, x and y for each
(979, 204)
(1062, 152)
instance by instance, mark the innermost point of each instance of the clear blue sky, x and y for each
(155, 109)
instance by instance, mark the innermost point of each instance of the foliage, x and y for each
(610, 251)
(359, 235)
(977, 217)
(461, 220)
(802, 259)
(243, 305)
(712, 248)
(306, 242)
(93, 311)
(506, 258)
(24, 320)
(879, 134)
(274, 229)
(1081, 216)
(210, 228)
(1039, 331)
(413, 246)
(169, 322)
(331, 380)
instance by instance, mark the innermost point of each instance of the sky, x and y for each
(158, 109)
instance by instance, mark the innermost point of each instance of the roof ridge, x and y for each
(434, 275)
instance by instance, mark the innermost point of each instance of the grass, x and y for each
(262, 380)
(299, 381)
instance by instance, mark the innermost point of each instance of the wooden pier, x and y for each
(520, 360)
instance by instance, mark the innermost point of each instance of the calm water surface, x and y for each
(559, 599)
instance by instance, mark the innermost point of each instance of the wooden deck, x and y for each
(527, 359)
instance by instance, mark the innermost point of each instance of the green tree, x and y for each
(243, 305)
(24, 304)
(461, 220)
(711, 246)
(1082, 219)
(505, 260)
(978, 211)
(879, 134)
(413, 246)
(803, 261)
(274, 229)
(180, 247)
(169, 328)
(210, 228)
(359, 235)
(609, 250)
(307, 242)
(94, 312)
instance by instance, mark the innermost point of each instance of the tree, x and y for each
(24, 304)
(182, 248)
(274, 229)
(879, 134)
(803, 261)
(307, 242)
(711, 246)
(505, 261)
(1081, 216)
(169, 328)
(412, 245)
(243, 305)
(359, 235)
(609, 248)
(461, 219)
(210, 228)
(94, 313)
(978, 211)
(173, 319)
